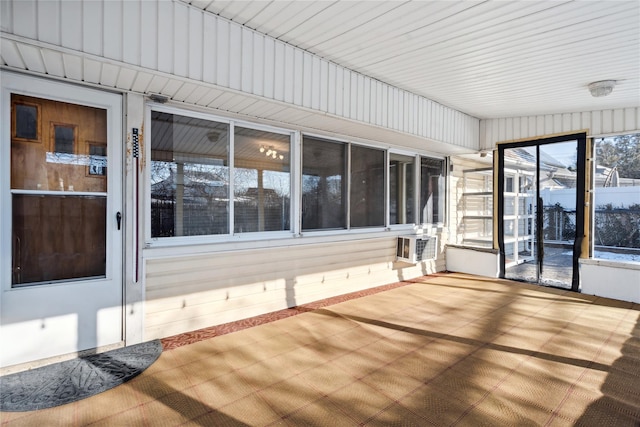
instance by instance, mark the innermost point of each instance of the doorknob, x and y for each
(118, 219)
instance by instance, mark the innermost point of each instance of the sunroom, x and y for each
(173, 165)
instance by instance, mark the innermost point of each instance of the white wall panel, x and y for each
(235, 57)
(6, 16)
(209, 49)
(49, 29)
(258, 68)
(181, 27)
(307, 81)
(113, 29)
(268, 77)
(131, 16)
(182, 295)
(165, 37)
(148, 35)
(24, 15)
(173, 38)
(247, 62)
(92, 24)
(600, 122)
(298, 76)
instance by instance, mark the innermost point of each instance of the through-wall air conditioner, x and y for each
(414, 249)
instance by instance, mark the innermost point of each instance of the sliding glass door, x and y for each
(541, 210)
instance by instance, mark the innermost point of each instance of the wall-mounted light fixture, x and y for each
(156, 97)
(601, 88)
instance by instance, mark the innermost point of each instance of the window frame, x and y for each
(593, 142)
(443, 198)
(296, 166)
(416, 192)
(230, 235)
(348, 143)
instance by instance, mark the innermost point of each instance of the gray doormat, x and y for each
(76, 379)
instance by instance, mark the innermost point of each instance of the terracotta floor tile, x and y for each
(289, 396)
(103, 405)
(390, 384)
(151, 387)
(360, 401)
(358, 364)
(174, 409)
(58, 416)
(438, 408)
(221, 391)
(418, 366)
(397, 416)
(320, 413)
(206, 369)
(251, 410)
(266, 373)
(132, 417)
(325, 378)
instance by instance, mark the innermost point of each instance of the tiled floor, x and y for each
(443, 350)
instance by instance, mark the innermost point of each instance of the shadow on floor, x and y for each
(621, 395)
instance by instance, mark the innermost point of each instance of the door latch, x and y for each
(118, 219)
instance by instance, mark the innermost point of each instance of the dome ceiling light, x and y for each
(601, 88)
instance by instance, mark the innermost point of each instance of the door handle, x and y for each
(118, 219)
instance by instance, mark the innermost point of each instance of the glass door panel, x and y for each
(558, 182)
(541, 185)
(58, 191)
(519, 207)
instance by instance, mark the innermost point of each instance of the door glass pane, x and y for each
(401, 199)
(61, 159)
(539, 232)
(189, 176)
(367, 187)
(558, 182)
(519, 199)
(262, 181)
(58, 238)
(57, 233)
(324, 165)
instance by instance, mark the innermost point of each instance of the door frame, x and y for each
(34, 86)
(581, 141)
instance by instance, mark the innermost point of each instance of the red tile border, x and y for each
(175, 341)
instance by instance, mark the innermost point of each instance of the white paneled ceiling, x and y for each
(486, 58)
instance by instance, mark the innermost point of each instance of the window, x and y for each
(26, 121)
(401, 189)
(616, 219)
(262, 183)
(367, 187)
(324, 184)
(432, 190)
(64, 139)
(189, 176)
(325, 198)
(212, 177)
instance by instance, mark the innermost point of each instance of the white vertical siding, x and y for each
(599, 122)
(173, 38)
